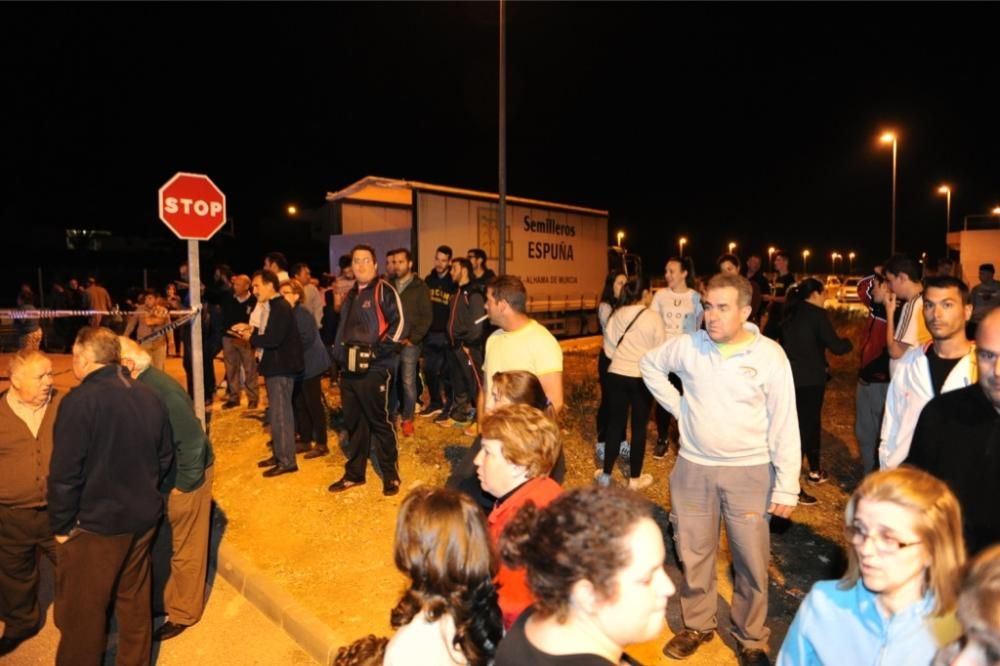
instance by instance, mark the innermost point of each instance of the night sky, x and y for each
(751, 123)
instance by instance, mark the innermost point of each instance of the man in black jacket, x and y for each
(280, 361)
(366, 350)
(415, 297)
(436, 346)
(112, 447)
(957, 439)
(467, 313)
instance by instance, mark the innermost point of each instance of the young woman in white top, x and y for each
(632, 330)
(611, 299)
(680, 307)
(449, 614)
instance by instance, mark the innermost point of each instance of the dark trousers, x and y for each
(366, 415)
(436, 351)
(92, 572)
(310, 418)
(465, 364)
(602, 409)
(281, 419)
(625, 393)
(665, 423)
(24, 538)
(809, 406)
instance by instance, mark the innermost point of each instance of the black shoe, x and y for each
(268, 462)
(391, 488)
(229, 404)
(168, 630)
(317, 452)
(686, 643)
(660, 450)
(9, 643)
(753, 657)
(252, 404)
(278, 471)
(805, 499)
(344, 484)
(303, 448)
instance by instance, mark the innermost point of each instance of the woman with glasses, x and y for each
(893, 605)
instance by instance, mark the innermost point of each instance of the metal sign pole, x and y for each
(197, 370)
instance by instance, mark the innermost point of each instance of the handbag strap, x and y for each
(636, 317)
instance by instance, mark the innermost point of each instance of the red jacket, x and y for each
(512, 584)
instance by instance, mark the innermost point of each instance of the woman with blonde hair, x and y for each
(448, 615)
(905, 550)
(520, 446)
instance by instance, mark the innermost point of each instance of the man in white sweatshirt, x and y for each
(740, 458)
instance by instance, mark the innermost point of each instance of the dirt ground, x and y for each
(334, 552)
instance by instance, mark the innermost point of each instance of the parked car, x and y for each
(849, 290)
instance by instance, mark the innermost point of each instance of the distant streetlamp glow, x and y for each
(621, 235)
(996, 211)
(805, 261)
(833, 261)
(946, 190)
(681, 242)
(732, 246)
(770, 256)
(850, 258)
(887, 138)
(292, 210)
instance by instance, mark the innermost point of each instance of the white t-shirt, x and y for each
(429, 642)
(531, 348)
(681, 312)
(645, 334)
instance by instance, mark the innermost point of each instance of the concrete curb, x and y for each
(312, 635)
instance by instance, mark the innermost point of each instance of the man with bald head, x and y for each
(241, 366)
(27, 414)
(957, 439)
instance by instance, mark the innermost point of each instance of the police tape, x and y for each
(163, 330)
(56, 314)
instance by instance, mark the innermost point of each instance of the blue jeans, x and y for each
(409, 365)
(279, 406)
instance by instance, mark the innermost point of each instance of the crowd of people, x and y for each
(112, 481)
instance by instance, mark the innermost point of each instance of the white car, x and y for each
(849, 290)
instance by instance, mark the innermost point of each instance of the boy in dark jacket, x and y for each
(417, 314)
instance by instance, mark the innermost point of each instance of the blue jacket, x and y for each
(317, 361)
(834, 626)
(363, 321)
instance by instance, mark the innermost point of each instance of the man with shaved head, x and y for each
(27, 414)
(957, 439)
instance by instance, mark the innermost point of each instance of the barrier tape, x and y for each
(55, 314)
(163, 330)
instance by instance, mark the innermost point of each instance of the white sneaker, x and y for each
(640, 482)
(624, 449)
(602, 479)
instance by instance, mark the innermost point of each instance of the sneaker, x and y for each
(624, 449)
(443, 415)
(599, 452)
(686, 643)
(660, 450)
(602, 479)
(805, 499)
(432, 410)
(407, 428)
(817, 477)
(640, 482)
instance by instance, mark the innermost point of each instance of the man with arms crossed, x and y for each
(740, 456)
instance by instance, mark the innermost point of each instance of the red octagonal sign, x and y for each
(192, 206)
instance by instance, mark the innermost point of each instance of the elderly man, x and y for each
(188, 490)
(27, 414)
(241, 366)
(112, 447)
(739, 459)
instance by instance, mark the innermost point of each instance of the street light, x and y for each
(805, 261)
(292, 210)
(770, 256)
(621, 235)
(732, 246)
(945, 190)
(890, 137)
(850, 258)
(681, 242)
(996, 211)
(833, 262)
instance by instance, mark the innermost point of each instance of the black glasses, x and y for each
(884, 544)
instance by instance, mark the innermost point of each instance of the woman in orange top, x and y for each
(520, 446)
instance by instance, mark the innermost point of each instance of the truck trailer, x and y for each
(559, 251)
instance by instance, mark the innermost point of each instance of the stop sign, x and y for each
(192, 206)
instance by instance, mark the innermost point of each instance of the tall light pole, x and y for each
(681, 242)
(770, 257)
(850, 257)
(946, 191)
(833, 262)
(621, 235)
(502, 148)
(732, 246)
(805, 261)
(890, 137)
